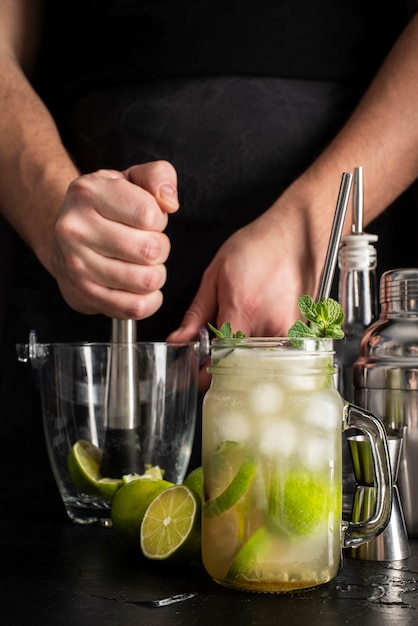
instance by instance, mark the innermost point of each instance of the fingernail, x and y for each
(168, 192)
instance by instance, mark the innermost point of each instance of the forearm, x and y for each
(36, 169)
(381, 136)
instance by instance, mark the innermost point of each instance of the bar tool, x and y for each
(357, 290)
(386, 377)
(122, 447)
(357, 295)
(392, 544)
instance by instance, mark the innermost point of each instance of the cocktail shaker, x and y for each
(386, 377)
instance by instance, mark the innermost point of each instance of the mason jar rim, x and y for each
(294, 344)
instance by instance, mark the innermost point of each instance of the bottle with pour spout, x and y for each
(357, 294)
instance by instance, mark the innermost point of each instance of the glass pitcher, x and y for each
(272, 466)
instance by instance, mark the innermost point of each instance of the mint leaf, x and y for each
(335, 331)
(307, 308)
(300, 329)
(325, 317)
(335, 312)
(239, 334)
(225, 331)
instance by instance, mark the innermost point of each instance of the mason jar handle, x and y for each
(360, 532)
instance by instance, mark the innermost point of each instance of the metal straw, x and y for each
(334, 242)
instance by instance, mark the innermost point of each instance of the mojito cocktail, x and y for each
(272, 423)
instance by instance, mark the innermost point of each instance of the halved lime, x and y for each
(234, 491)
(130, 503)
(171, 525)
(84, 468)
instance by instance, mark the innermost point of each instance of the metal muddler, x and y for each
(122, 447)
(335, 237)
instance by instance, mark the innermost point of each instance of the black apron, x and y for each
(237, 142)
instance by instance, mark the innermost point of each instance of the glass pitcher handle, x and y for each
(357, 533)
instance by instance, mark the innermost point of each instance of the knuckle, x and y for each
(142, 307)
(153, 279)
(66, 228)
(79, 186)
(147, 215)
(151, 250)
(162, 168)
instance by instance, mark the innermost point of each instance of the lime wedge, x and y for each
(234, 491)
(84, 466)
(130, 503)
(171, 525)
(151, 471)
(248, 563)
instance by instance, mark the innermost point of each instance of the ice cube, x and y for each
(266, 399)
(233, 426)
(323, 411)
(314, 452)
(278, 438)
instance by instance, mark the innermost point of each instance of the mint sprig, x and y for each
(325, 320)
(225, 331)
(325, 317)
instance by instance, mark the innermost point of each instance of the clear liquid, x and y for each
(283, 533)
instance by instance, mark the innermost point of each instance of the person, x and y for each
(178, 163)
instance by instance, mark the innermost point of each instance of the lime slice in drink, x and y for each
(234, 491)
(194, 480)
(171, 525)
(84, 468)
(247, 565)
(130, 503)
(301, 504)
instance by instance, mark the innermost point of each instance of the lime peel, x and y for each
(83, 464)
(234, 491)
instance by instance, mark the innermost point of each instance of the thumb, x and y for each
(201, 311)
(158, 178)
(190, 326)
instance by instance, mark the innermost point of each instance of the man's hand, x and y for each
(110, 248)
(254, 281)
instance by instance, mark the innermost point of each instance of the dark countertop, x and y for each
(71, 575)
